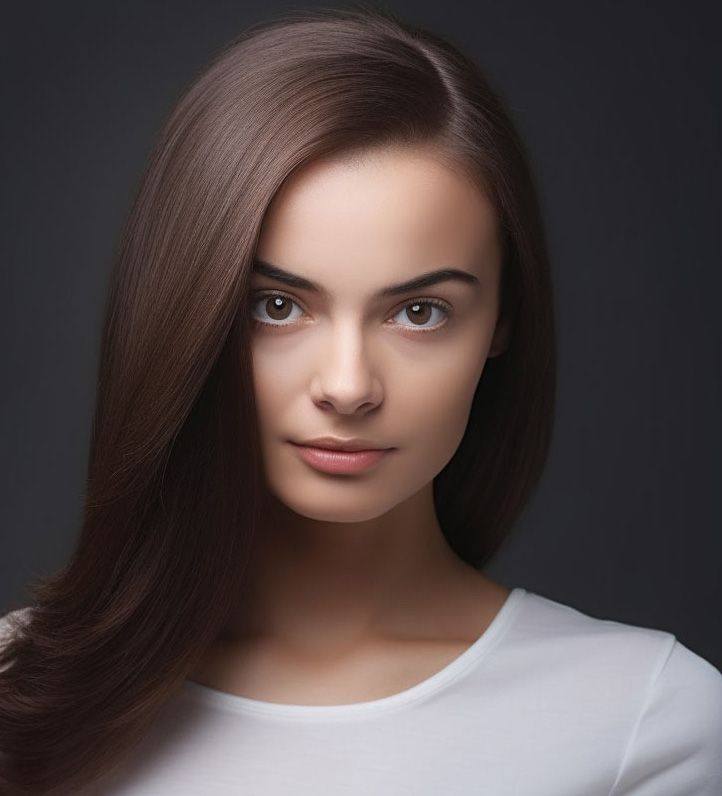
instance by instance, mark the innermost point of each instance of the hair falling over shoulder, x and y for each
(174, 478)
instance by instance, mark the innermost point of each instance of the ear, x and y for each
(500, 341)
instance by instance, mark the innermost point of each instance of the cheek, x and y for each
(441, 410)
(432, 404)
(272, 385)
(273, 405)
(443, 381)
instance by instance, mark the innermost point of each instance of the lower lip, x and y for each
(333, 461)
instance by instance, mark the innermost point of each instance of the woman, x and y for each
(337, 236)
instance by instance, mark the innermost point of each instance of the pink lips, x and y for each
(336, 461)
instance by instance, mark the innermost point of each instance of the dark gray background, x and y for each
(619, 104)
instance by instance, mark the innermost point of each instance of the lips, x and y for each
(337, 444)
(340, 461)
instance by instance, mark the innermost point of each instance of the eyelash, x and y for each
(442, 305)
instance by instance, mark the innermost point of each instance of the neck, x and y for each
(322, 587)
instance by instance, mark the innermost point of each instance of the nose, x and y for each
(345, 380)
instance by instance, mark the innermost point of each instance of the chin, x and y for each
(338, 509)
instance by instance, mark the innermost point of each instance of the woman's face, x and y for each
(348, 361)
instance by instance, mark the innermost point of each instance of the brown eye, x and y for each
(276, 307)
(419, 312)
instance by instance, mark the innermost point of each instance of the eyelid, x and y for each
(255, 295)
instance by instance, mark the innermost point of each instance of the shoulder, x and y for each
(600, 645)
(632, 653)
(677, 737)
(688, 681)
(663, 696)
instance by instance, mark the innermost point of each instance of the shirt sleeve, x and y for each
(675, 748)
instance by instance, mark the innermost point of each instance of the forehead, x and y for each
(389, 210)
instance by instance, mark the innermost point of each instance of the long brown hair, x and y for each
(175, 482)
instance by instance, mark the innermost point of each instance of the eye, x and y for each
(279, 308)
(276, 304)
(420, 310)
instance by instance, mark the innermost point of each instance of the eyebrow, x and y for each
(425, 280)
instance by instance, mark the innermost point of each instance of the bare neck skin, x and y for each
(321, 593)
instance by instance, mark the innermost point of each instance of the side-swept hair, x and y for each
(175, 479)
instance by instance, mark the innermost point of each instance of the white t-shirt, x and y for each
(548, 701)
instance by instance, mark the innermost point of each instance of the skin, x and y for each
(352, 591)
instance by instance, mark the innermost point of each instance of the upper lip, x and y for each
(334, 443)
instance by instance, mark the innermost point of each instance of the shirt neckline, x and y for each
(432, 684)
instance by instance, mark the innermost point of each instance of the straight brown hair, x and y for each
(175, 480)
